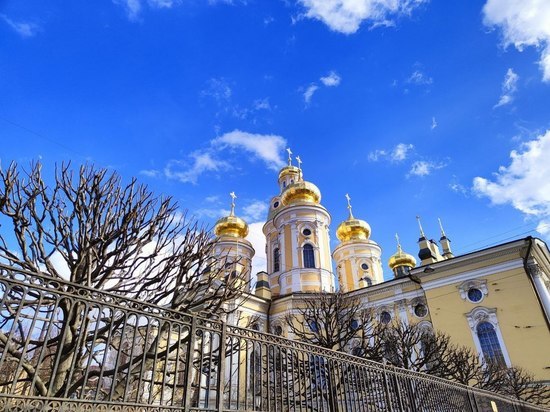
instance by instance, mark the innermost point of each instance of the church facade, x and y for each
(495, 301)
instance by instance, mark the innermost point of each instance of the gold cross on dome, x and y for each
(233, 197)
(398, 242)
(289, 156)
(299, 162)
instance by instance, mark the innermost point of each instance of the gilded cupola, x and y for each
(298, 191)
(352, 228)
(231, 225)
(401, 263)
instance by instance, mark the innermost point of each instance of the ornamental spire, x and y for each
(441, 227)
(399, 249)
(349, 206)
(420, 226)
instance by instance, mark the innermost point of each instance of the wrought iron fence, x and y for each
(68, 347)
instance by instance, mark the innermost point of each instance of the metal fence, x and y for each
(65, 347)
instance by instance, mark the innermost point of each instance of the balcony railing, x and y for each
(68, 347)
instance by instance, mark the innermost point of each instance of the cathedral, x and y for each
(495, 300)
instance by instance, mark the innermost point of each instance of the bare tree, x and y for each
(91, 229)
(329, 320)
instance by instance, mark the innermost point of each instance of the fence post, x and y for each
(189, 364)
(221, 368)
(472, 400)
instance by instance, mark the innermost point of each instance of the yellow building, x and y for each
(495, 300)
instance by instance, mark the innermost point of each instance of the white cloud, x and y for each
(308, 94)
(132, 7)
(257, 238)
(21, 28)
(377, 155)
(509, 88)
(201, 162)
(523, 23)
(267, 148)
(423, 168)
(419, 78)
(255, 211)
(401, 151)
(434, 123)
(345, 16)
(331, 80)
(525, 183)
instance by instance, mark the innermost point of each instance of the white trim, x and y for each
(473, 274)
(481, 314)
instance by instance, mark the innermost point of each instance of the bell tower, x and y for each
(297, 236)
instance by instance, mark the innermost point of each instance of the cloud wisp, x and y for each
(218, 155)
(398, 153)
(522, 24)
(509, 88)
(23, 29)
(332, 79)
(422, 168)
(524, 183)
(346, 16)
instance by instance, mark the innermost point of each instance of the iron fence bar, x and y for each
(221, 368)
(189, 365)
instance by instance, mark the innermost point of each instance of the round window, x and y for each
(364, 266)
(278, 330)
(420, 310)
(354, 324)
(275, 205)
(385, 317)
(475, 295)
(306, 232)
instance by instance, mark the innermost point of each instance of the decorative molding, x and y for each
(472, 274)
(480, 284)
(482, 314)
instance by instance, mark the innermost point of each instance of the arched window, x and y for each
(276, 265)
(309, 257)
(490, 346)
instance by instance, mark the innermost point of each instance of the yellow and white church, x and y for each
(495, 300)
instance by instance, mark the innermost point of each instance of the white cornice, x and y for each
(472, 274)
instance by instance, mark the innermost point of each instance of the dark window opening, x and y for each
(309, 256)
(276, 258)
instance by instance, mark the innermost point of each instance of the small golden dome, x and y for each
(353, 229)
(232, 226)
(401, 259)
(299, 192)
(289, 170)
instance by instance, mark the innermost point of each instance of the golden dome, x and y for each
(353, 229)
(289, 170)
(301, 191)
(232, 226)
(401, 259)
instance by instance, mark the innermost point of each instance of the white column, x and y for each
(294, 244)
(282, 251)
(541, 288)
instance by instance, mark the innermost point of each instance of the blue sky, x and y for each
(429, 108)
